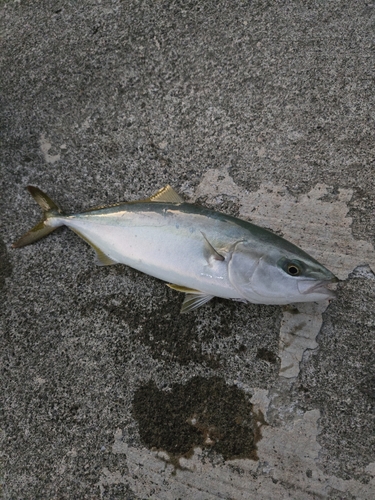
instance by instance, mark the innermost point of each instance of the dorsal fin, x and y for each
(166, 195)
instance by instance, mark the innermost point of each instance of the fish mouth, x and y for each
(322, 287)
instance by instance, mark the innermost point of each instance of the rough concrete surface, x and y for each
(260, 109)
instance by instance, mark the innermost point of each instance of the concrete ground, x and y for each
(263, 110)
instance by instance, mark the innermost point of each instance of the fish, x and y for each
(195, 250)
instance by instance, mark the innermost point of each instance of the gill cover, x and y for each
(242, 265)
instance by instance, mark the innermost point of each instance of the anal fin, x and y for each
(101, 258)
(193, 298)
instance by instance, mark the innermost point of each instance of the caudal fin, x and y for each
(50, 210)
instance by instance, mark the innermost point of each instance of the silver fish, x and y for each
(200, 252)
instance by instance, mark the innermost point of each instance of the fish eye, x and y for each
(293, 270)
(292, 267)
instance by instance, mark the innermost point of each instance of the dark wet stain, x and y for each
(5, 264)
(154, 320)
(159, 325)
(170, 335)
(267, 355)
(205, 413)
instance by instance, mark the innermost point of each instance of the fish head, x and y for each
(278, 274)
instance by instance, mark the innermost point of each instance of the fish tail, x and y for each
(47, 224)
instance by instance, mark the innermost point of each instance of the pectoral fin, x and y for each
(194, 301)
(193, 298)
(210, 250)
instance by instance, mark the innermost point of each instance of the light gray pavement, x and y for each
(260, 109)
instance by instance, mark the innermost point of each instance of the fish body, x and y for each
(198, 251)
